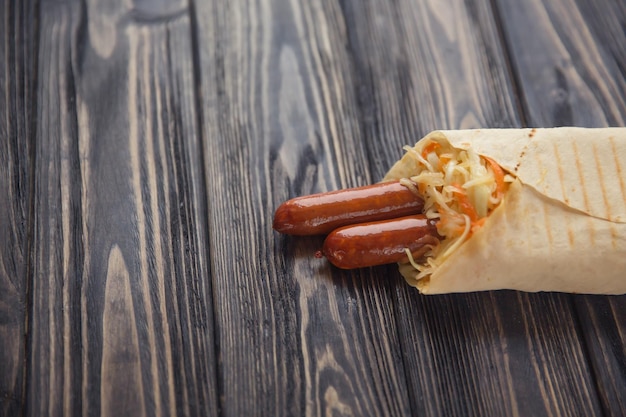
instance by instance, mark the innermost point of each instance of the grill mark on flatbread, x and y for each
(592, 231)
(581, 177)
(520, 158)
(614, 235)
(570, 235)
(559, 166)
(618, 168)
(548, 229)
(601, 178)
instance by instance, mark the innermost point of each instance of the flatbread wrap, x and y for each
(547, 212)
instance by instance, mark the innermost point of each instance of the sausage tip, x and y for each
(281, 223)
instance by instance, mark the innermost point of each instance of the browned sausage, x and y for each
(322, 213)
(382, 242)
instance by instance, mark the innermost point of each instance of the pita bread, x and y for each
(561, 225)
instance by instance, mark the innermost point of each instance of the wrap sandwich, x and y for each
(522, 209)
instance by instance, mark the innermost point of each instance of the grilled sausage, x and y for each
(380, 242)
(322, 213)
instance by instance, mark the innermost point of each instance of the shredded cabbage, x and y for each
(460, 189)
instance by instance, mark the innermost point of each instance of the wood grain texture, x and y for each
(121, 317)
(603, 320)
(17, 84)
(569, 59)
(510, 353)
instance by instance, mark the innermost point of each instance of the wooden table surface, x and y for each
(144, 145)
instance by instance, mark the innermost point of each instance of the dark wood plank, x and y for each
(281, 119)
(572, 70)
(428, 65)
(603, 320)
(569, 59)
(122, 317)
(501, 353)
(17, 83)
(425, 65)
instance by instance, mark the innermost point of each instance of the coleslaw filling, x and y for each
(460, 188)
